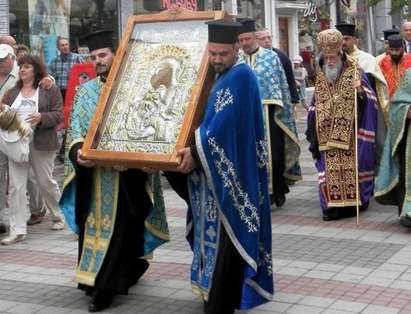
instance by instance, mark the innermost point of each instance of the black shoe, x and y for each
(88, 291)
(364, 207)
(405, 221)
(272, 199)
(331, 214)
(3, 228)
(101, 300)
(279, 200)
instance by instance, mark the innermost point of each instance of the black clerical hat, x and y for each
(346, 29)
(100, 39)
(389, 32)
(223, 31)
(395, 41)
(247, 25)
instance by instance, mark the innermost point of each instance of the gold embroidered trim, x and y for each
(335, 109)
(340, 177)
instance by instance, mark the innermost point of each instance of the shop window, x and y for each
(252, 9)
(151, 6)
(38, 23)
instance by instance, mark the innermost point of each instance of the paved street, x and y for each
(320, 267)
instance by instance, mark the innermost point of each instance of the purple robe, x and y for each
(330, 132)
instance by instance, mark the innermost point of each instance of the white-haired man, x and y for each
(331, 130)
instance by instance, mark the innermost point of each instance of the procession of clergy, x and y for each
(244, 159)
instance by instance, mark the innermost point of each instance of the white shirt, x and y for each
(26, 105)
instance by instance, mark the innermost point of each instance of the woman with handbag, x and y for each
(42, 110)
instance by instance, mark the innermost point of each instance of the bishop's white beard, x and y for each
(332, 73)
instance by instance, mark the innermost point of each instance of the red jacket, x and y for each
(393, 72)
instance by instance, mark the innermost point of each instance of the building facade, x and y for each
(38, 23)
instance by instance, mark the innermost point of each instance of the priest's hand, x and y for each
(84, 162)
(187, 163)
(357, 84)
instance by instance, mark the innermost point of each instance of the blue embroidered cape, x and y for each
(274, 90)
(388, 178)
(231, 189)
(103, 205)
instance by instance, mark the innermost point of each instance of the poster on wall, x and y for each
(48, 19)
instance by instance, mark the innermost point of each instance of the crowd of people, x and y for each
(244, 159)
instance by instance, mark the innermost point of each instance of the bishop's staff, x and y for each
(357, 183)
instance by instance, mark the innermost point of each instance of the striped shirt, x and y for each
(60, 67)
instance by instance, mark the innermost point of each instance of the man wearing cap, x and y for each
(265, 40)
(387, 33)
(278, 110)
(394, 65)
(8, 78)
(108, 207)
(331, 130)
(366, 61)
(229, 218)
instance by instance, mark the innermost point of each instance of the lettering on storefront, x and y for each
(187, 4)
(310, 11)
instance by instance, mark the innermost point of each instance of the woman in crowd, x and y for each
(42, 110)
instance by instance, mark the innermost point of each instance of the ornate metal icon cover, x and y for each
(147, 105)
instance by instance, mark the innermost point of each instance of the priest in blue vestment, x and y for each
(118, 213)
(278, 112)
(331, 130)
(393, 183)
(229, 217)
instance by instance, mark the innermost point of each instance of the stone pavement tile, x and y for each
(287, 297)
(164, 283)
(350, 234)
(25, 308)
(334, 311)
(328, 232)
(377, 309)
(405, 276)
(153, 291)
(370, 280)
(401, 284)
(293, 271)
(348, 306)
(303, 265)
(385, 274)
(329, 267)
(5, 305)
(348, 277)
(356, 270)
(11, 267)
(284, 229)
(183, 295)
(304, 309)
(53, 310)
(274, 306)
(319, 274)
(394, 267)
(305, 230)
(316, 301)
